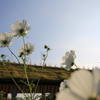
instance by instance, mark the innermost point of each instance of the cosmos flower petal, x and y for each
(6, 39)
(69, 59)
(72, 52)
(81, 83)
(13, 27)
(20, 28)
(27, 49)
(66, 95)
(66, 56)
(96, 76)
(63, 85)
(24, 23)
(18, 24)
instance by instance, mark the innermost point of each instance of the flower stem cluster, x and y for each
(45, 55)
(20, 29)
(46, 47)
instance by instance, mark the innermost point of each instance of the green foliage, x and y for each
(2, 95)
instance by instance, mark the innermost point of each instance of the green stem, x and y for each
(13, 79)
(30, 88)
(40, 74)
(23, 40)
(39, 79)
(28, 81)
(15, 57)
(24, 47)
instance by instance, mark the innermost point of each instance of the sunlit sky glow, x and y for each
(63, 25)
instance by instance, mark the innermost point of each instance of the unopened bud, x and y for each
(45, 46)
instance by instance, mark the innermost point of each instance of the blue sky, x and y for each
(63, 25)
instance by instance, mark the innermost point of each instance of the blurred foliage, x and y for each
(2, 95)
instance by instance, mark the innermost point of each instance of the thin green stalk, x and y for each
(40, 73)
(30, 88)
(28, 81)
(13, 79)
(23, 40)
(24, 47)
(39, 79)
(14, 55)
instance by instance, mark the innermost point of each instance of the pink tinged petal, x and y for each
(81, 83)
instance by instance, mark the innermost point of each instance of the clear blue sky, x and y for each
(64, 25)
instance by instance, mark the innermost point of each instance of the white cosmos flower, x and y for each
(69, 59)
(20, 28)
(27, 49)
(83, 85)
(6, 39)
(63, 85)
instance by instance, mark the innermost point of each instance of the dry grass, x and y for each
(49, 73)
